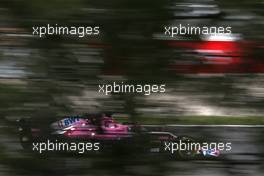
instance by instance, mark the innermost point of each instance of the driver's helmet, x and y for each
(108, 122)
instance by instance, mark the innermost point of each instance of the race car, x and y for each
(109, 133)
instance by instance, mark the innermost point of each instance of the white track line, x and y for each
(210, 126)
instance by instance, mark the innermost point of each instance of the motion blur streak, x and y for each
(209, 79)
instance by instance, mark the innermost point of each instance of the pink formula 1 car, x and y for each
(109, 133)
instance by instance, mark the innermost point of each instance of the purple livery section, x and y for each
(106, 130)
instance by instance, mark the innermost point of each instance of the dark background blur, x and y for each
(52, 76)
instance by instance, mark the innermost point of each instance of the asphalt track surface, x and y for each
(245, 158)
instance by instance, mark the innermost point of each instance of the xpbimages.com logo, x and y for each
(80, 31)
(146, 89)
(55, 146)
(173, 147)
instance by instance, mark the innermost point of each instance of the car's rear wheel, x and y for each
(25, 141)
